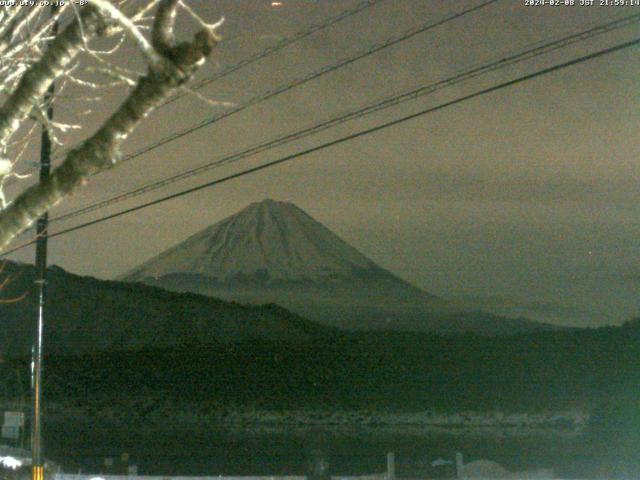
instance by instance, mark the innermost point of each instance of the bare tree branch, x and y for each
(6, 281)
(109, 10)
(101, 151)
(37, 79)
(13, 27)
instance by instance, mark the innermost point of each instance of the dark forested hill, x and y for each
(113, 337)
(85, 315)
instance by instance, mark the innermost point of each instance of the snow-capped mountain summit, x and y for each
(267, 242)
(273, 252)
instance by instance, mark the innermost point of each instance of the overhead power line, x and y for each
(532, 52)
(347, 138)
(307, 78)
(279, 45)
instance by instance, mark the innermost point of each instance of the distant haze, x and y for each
(526, 201)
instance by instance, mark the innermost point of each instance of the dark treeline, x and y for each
(593, 370)
(385, 371)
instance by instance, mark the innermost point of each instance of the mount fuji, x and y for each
(274, 252)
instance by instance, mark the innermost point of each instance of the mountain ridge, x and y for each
(274, 252)
(86, 315)
(322, 253)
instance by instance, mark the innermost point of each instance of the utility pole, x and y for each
(37, 460)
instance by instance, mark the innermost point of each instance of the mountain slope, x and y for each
(270, 243)
(274, 252)
(85, 315)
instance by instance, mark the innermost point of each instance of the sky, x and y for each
(523, 201)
